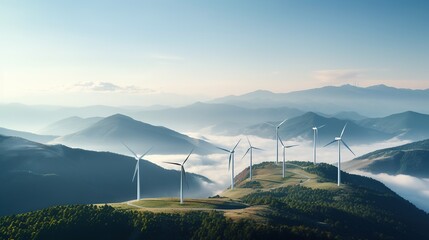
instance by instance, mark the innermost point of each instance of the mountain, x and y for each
(301, 127)
(69, 125)
(27, 135)
(410, 159)
(407, 125)
(35, 117)
(203, 115)
(35, 176)
(307, 204)
(349, 115)
(370, 101)
(108, 133)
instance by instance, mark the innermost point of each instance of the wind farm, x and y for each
(214, 120)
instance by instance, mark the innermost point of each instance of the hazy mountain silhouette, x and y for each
(27, 135)
(371, 101)
(202, 115)
(35, 117)
(34, 176)
(406, 125)
(108, 133)
(301, 127)
(346, 115)
(410, 159)
(69, 125)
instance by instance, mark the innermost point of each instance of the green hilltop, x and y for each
(307, 204)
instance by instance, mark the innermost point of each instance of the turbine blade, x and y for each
(135, 171)
(229, 161)
(141, 157)
(330, 143)
(290, 146)
(245, 153)
(184, 176)
(281, 141)
(258, 148)
(342, 132)
(178, 164)
(321, 126)
(248, 141)
(281, 123)
(236, 145)
(135, 155)
(188, 157)
(270, 124)
(347, 146)
(223, 149)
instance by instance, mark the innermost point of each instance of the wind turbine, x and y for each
(315, 137)
(137, 168)
(277, 138)
(284, 155)
(182, 174)
(250, 149)
(340, 140)
(231, 159)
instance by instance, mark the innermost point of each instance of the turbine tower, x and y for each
(137, 168)
(340, 140)
(315, 137)
(250, 149)
(277, 138)
(284, 155)
(182, 174)
(231, 159)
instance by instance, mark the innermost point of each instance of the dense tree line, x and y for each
(92, 222)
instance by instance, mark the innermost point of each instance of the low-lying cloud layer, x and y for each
(415, 190)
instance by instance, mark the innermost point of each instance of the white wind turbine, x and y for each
(315, 137)
(182, 174)
(284, 155)
(250, 149)
(231, 159)
(137, 168)
(277, 138)
(340, 140)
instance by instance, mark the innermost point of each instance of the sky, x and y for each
(175, 52)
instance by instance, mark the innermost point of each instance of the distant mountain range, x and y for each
(343, 102)
(410, 159)
(27, 135)
(108, 133)
(376, 100)
(69, 125)
(34, 176)
(301, 127)
(202, 115)
(406, 125)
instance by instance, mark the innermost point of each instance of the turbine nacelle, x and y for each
(337, 139)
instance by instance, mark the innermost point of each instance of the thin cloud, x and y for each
(338, 75)
(92, 86)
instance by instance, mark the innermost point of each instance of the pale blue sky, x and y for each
(109, 52)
